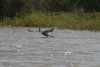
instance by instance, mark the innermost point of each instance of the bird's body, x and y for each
(44, 33)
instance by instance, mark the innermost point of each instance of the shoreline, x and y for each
(77, 21)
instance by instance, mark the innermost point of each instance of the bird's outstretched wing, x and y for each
(52, 29)
(30, 30)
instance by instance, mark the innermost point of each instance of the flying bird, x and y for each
(45, 33)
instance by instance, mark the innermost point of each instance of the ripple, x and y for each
(68, 48)
(16, 45)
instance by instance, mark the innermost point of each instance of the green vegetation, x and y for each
(71, 14)
(79, 21)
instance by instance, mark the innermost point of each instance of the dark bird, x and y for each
(45, 33)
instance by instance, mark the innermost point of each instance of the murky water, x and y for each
(68, 48)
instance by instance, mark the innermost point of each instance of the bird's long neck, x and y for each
(39, 29)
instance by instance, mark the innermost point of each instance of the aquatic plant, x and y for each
(80, 21)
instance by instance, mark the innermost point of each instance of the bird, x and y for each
(45, 33)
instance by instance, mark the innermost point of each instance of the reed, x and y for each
(79, 21)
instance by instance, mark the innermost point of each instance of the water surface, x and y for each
(68, 48)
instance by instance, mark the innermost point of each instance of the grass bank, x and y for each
(79, 21)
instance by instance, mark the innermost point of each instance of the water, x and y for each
(68, 48)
